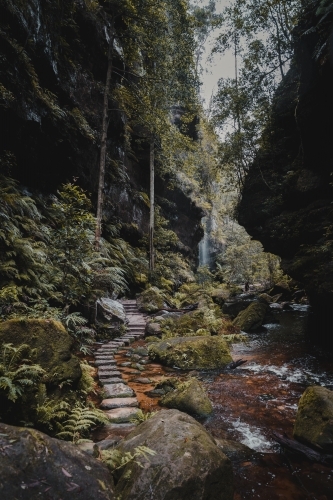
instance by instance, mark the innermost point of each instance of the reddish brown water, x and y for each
(257, 398)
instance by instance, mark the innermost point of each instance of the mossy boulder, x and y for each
(53, 345)
(189, 397)
(153, 329)
(252, 317)
(35, 465)
(192, 353)
(234, 307)
(151, 300)
(314, 419)
(187, 464)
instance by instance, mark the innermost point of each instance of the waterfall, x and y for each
(204, 257)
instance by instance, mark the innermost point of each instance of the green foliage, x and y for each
(79, 421)
(116, 460)
(83, 336)
(17, 372)
(142, 417)
(86, 383)
(50, 412)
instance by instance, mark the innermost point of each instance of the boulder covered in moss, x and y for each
(187, 463)
(35, 465)
(192, 353)
(153, 329)
(189, 397)
(314, 419)
(234, 307)
(151, 300)
(110, 311)
(252, 317)
(52, 343)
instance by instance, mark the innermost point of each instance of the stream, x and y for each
(255, 399)
(262, 396)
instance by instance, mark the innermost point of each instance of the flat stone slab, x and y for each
(118, 391)
(127, 363)
(108, 373)
(112, 380)
(142, 380)
(121, 415)
(110, 404)
(105, 362)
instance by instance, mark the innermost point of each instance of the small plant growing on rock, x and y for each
(17, 372)
(79, 422)
(116, 460)
(142, 417)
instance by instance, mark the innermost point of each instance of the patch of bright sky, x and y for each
(220, 66)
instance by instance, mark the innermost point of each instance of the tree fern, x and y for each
(17, 373)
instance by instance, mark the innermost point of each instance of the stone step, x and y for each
(108, 373)
(105, 362)
(110, 404)
(121, 415)
(118, 391)
(112, 380)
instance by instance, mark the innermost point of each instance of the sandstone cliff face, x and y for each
(53, 69)
(287, 200)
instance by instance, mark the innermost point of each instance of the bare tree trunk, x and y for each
(152, 206)
(105, 124)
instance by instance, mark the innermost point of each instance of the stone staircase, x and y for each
(120, 403)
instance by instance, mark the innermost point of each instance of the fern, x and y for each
(142, 417)
(116, 459)
(49, 412)
(17, 373)
(79, 421)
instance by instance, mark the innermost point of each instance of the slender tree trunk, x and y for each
(104, 134)
(152, 206)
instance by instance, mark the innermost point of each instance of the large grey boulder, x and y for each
(110, 310)
(314, 419)
(34, 465)
(187, 465)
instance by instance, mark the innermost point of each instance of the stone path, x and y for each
(120, 404)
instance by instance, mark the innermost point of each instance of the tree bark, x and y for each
(152, 206)
(104, 134)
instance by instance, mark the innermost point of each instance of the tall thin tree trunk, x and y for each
(104, 134)
(152, 205)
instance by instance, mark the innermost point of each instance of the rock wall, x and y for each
(287, 199)
(53, 70)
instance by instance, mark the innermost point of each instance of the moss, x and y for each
(314, 420)
(252, 317)
(53, 345)
(189, 397)
(151, 300)
(190, 353)
(152, 338)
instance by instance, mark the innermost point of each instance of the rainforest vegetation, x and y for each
(117, 182)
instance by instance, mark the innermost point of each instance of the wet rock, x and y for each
(276, 307)
(118, 391)
(153, 329)
(187, 464)
(109, 404)
(106, 444)
(121, 415)
(52, 343)
(281, 289)
(252, 317)
(109, 310)
(234, 450)
(192, 353)
(189, 397)
(265, 297)
(314, 419)
(34, 462)
(235, 307)
(151, 300)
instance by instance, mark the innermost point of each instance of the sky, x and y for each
(221, 67)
